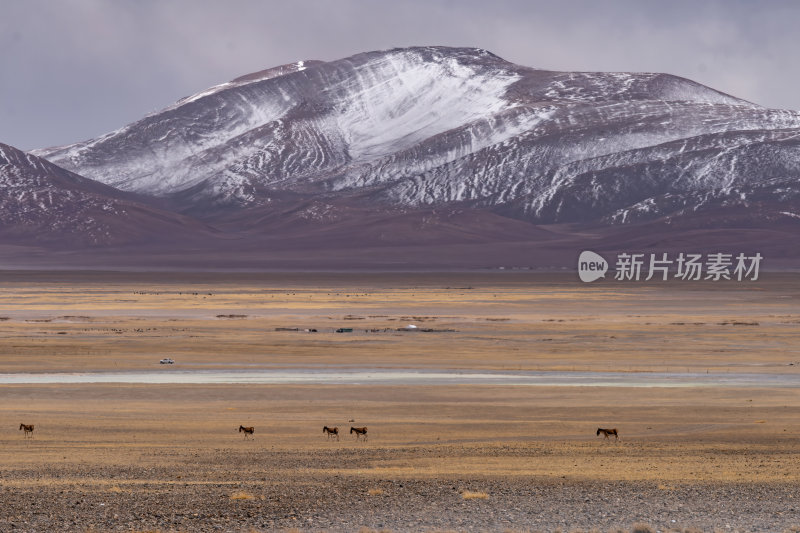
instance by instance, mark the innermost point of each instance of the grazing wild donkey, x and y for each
(331, 432)
(360, 432)
(248, 432)
(608, 432)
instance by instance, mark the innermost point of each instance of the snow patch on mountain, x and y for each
(400, 100)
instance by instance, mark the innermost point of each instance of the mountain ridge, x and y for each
(395, 138)
(420, 126)
(45, 204)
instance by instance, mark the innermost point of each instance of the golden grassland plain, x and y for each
(124, 438)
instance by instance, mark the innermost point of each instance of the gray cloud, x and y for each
(75, 69)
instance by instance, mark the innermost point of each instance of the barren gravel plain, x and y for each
(156, 453)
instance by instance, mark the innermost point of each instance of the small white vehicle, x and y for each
(167, 361)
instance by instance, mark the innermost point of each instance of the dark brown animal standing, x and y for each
(360, 432)
(608, 432)
(247, 431)
(28, 429)
(332, 432)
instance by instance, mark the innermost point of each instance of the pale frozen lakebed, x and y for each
(367, 376)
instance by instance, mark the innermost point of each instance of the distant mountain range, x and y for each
(417, 157)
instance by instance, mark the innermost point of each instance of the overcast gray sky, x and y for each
(74, 69)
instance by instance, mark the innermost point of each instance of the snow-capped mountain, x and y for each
(43, 203)
(436, 127)
(416, 158)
